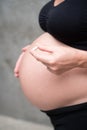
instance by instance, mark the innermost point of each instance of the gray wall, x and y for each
(18, 27)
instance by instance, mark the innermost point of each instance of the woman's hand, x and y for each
(57, 58)
(17, 66)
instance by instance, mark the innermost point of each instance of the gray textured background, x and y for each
(18, 27)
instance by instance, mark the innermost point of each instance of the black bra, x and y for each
(67, 22)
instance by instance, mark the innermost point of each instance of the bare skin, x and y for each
(47, 87)
(47, 90)
(57, 2)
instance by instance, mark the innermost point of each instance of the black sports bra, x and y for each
(67, 22)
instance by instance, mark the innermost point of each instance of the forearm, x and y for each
(82, 56)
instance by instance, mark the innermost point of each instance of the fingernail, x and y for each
(34, 48)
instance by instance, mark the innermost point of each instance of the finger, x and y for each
(18, 63)
(51, 70)
(25, 48)
(16, 70)
(46, 48)
(41, 56)
(59, 72)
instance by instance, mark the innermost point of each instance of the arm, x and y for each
(82, 55)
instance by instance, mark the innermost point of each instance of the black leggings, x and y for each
(69, 118)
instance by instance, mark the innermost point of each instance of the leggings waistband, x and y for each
(72, 117)
(65, 109)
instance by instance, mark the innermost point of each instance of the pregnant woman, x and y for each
(53, 69)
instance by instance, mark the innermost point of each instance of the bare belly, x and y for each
(48, 91)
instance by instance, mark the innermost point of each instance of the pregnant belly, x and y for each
(47, 90)
(38, 84)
